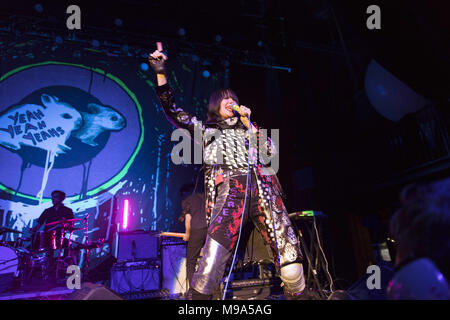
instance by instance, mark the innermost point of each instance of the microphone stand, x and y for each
(86, 266)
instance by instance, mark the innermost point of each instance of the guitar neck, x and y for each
(172, 234)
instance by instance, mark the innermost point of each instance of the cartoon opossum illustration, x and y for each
(46, 126)
(97, 120)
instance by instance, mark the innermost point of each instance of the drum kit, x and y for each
(44, 254)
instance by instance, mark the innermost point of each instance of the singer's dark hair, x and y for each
(214, 103)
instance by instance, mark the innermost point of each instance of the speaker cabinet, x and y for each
(173, 255)
(136, 276)
(136, 245)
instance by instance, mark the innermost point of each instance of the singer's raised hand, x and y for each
(157, 59)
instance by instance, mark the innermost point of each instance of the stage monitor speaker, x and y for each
(173, 255)
(254, 289)
(136, 276)
(360, 291)
(137, 245)
(92, 291)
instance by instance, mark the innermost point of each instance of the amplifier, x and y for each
(136, 276)
(173, 255)
(139, 244)
(253, 283)
(145, 295)
(253, 289)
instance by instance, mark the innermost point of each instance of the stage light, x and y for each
(195, 58)
(58, 39)
(260, 43)
(181, 32)
(389, 96)
(118, 22)
(125, 48)
(206, 73)
(218, 38)
(144, 66)
(125, 215)
(95, 43)
(38, 7)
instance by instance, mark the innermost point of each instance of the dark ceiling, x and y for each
(413, 42)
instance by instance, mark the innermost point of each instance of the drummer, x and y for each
(58, 212)
(55, 213)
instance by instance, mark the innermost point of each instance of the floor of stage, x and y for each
(38, 289)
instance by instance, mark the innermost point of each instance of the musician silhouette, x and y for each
(194, 215)
(55, 213)
(53, 232)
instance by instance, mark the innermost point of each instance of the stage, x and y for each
(254, 151)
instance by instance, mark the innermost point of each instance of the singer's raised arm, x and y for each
(177, 116)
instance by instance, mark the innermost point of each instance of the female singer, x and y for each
(232, 184)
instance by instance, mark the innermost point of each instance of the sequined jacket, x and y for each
(234, 163)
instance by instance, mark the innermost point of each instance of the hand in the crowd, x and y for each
(157, 59)
(186, 237)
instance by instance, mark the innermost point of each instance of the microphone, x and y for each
(244, 117)
(237, 109)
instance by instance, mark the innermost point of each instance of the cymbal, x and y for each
(65, 228)
(74, 229)
(4, 230)
(62, 222)
(92, 245)
(8, 243)
(53, 223)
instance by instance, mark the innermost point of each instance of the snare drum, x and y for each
(41, 241)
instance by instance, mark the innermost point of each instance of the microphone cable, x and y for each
(243, 211)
